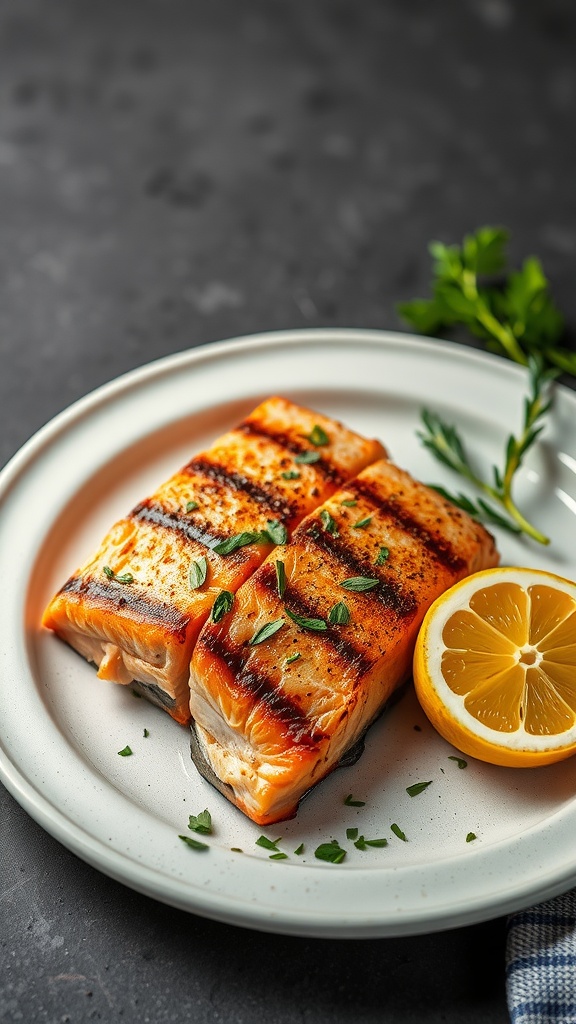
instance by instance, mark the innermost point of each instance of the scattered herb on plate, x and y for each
(126, 751)
(418, 787)
(201, 822)
(331, 852)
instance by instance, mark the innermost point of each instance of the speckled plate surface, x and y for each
(61, 728)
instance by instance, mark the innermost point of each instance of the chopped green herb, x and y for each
(280, 579)
(361, 523)
(239, 540)
(300, 850)
(201, 822)
(316, 625)
(471, 837)
(352, 833)
(197, 572)
(359, 583)
(318, 436)
(293, 658)
(363, 844)
(398, 832)
(237, 849)
(278, 856)
(276, 531)
(268, 844)
(417, 788)
(331, 852)
(222, 605)
(146, 734)
(195, 844)
(339, 614)
(459, 761)
(125, 752)
(328, 522)
(382, 556)
(349, 502)
(307, 457)
(126, 577)
(191, 505)
(291, 474)
(266, 631)
(351, 802)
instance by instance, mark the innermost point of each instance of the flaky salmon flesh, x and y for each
(321, 635)
(136, 607)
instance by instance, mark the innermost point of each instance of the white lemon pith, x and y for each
(495, 666)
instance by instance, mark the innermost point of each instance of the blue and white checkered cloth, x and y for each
(541, 963)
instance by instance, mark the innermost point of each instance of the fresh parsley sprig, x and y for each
(445, 443)
(512, 311)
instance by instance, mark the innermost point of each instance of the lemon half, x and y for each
(495, 666)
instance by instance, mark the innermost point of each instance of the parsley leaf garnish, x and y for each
(239, 540)
(266, 631)
(280, 579)
(201, 822)
(331, 852)
(222, 605)
(268, 844)
(471, 837)
(328, 522)
(361, 523)
(293, 658)
(382, 556)
(299, 850)
(126, 751)
(398, 832)
(339, 614)
(276, 531)
(417, 788)
(197, 572)
(126, 577)
(316, 625)
(363, 844)
(191, 505)
(351, 802)
(307, 457)
(459, 761)
(349, 502)
(194, 844)
(317, 436)
(359, 583)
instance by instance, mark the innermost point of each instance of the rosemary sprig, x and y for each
(445, 443)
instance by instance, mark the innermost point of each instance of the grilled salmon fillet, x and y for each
(321, 635)
(135, 608)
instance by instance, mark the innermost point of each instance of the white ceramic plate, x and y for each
(61, 728)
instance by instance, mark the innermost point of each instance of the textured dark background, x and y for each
(174, 172)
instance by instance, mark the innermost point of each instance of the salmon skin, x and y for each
(322, 635)
(136, 607)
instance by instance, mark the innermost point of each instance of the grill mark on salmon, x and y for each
(262, 690)
(388, 592)
(440, 549)
(296, 603)
(290, 445)
(228, 479)
(153, 513)
(155, 612)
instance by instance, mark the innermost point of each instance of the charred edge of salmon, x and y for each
(289, 444)
(261, 689)
(203, 765)
(440, 549)
(149, 511)
(348, 759)
(226, 479)
(122, 598)
(388, 592)
(155, 694)
(296, 603)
